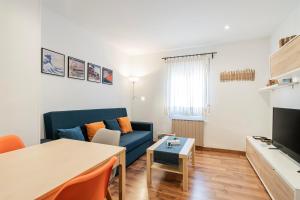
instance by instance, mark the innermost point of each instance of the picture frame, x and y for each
(52, 62)
(76, 68)
(93, 73)
(107, 76)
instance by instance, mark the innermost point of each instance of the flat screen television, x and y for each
(286, 131)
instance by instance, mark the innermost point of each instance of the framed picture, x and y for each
(107, 76)
(93, 73)
(76, 68)
(52, 62)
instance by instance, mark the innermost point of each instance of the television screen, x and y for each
(286, 131)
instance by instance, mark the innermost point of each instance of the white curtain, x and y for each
(187, 87)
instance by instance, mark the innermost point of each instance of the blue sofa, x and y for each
(136, 142)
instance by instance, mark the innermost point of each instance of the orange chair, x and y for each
(10, 143)
(91, 186)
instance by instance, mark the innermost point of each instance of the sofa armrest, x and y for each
(142, 126)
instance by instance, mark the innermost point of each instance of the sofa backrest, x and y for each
(70, 119)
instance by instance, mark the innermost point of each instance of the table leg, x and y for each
(185, 175)
(149, 164)
(108, 195)
(193, 155)
(122, 175)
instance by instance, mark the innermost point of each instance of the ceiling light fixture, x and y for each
(226, 27)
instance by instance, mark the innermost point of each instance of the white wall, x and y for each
(286, 97)
(237, 108)
(62, 93)
(290, 26)
(20, 66)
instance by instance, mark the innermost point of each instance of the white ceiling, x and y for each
(147, 26)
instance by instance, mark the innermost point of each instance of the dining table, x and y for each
(38, 171)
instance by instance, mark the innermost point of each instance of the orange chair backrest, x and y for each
(91, 186)
(10, 143)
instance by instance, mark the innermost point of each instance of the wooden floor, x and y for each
(216, 176)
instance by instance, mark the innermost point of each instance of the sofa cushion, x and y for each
(92, 128)
(134, 139)
(112, 124)
(71, 133)
(125, 124)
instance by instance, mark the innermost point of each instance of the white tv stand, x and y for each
(277, 171)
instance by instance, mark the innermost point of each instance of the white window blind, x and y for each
(187, 87)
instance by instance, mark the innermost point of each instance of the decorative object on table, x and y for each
(173, 142)
(263, 139)
(238, 75)
(267, 141)
(286, 81)
(259, 137)
(93, 73)
(107, 76)
(52, 62)
(285, 40)
(272, 82)
(165, 134)
(76, 68)
(289, 82)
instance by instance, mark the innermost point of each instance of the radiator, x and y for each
(190, 129)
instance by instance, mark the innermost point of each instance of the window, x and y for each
(187, 87)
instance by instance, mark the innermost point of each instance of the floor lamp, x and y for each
(134, 80)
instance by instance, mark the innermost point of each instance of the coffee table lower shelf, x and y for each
(187, 151)
(167, 168)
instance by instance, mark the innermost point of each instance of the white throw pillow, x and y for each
(106, 136)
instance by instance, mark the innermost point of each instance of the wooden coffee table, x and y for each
(187, 150)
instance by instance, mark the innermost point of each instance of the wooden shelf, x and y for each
(286, 59)
(293, 73)
(168, 168)
(278, 86)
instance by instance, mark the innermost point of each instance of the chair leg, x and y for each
(108, 195)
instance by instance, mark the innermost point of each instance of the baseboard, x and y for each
(221, 150)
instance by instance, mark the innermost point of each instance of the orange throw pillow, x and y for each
(125, 124)
(92, 128)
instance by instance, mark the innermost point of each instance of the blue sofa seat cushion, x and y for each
(135, 139)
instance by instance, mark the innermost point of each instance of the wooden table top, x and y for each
(184, 152)
(31, 172)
